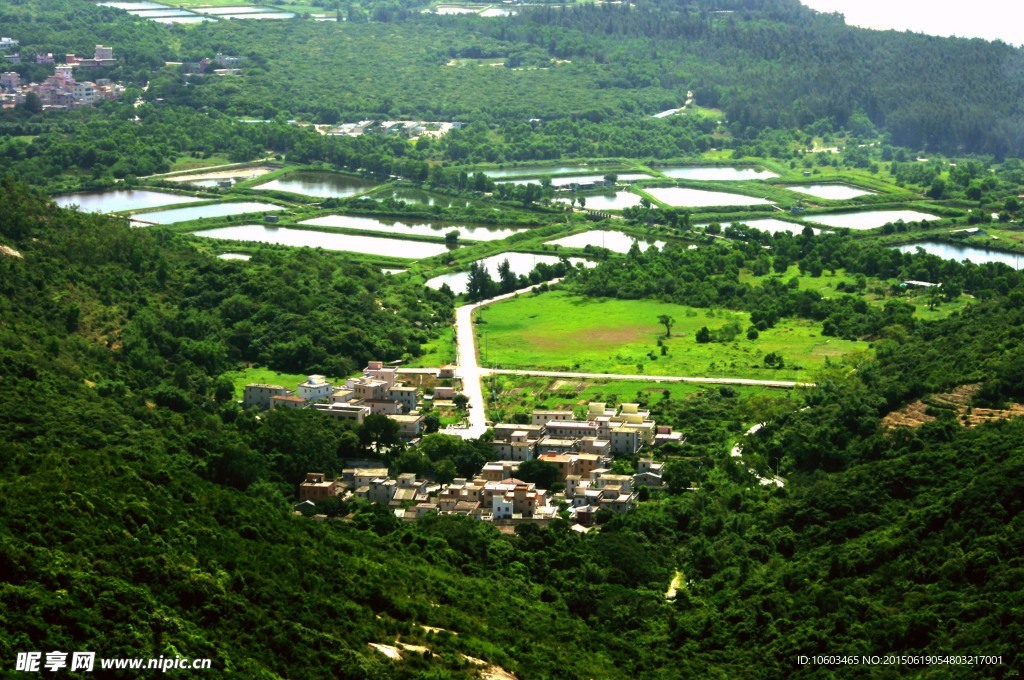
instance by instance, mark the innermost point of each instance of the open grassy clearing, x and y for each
(557, 330)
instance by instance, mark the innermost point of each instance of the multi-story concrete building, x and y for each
(315, 388)
(258, 395)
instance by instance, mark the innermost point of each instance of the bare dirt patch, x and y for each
(594, 338)
(915, 413)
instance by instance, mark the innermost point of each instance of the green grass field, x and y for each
(561, 331)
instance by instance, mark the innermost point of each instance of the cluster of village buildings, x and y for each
(377, 391)
(62, 90)
(580, 449)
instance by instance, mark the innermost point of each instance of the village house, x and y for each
(355, 412)
(287, 401)
(315, 388)
(316, 487)
(258, 395)
(515, 444)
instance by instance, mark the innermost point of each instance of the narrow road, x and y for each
(469, 369)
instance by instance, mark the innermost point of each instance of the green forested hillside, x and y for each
(144, 515)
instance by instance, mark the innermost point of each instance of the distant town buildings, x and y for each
(62, 90)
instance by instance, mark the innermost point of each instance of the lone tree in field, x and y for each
(667, 321)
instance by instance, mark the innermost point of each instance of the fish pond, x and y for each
(319, 184)
(120, 200)
(959, 253)
(207, 210)
(401, 228)
(615, 241)
(353, 243)
(871, 219)
(539, 171)
(415, 196)
(521, 264)
(699, 198)
(616, 200)
(832, 192)
(715, 174)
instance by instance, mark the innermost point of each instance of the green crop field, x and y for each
(557, 330)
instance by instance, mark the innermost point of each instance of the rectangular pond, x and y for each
(521, 264)
(181, 20)
(414, 196)
(200, 211)
(159, 13)
(699, 198)
(715, 174)
(319, 184)
(400, 227)
(871, 219)
(959, 253)
(259, 15)
(834, 192)
(232, 10)
(615, 200)
(615, 241)
(539, 171)
(569, 180)
(353, 243)
(442, 9)
(772, 226)
(134, 5)
(120, 200)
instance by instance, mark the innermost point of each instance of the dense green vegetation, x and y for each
(155, 462)
(142, 513)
